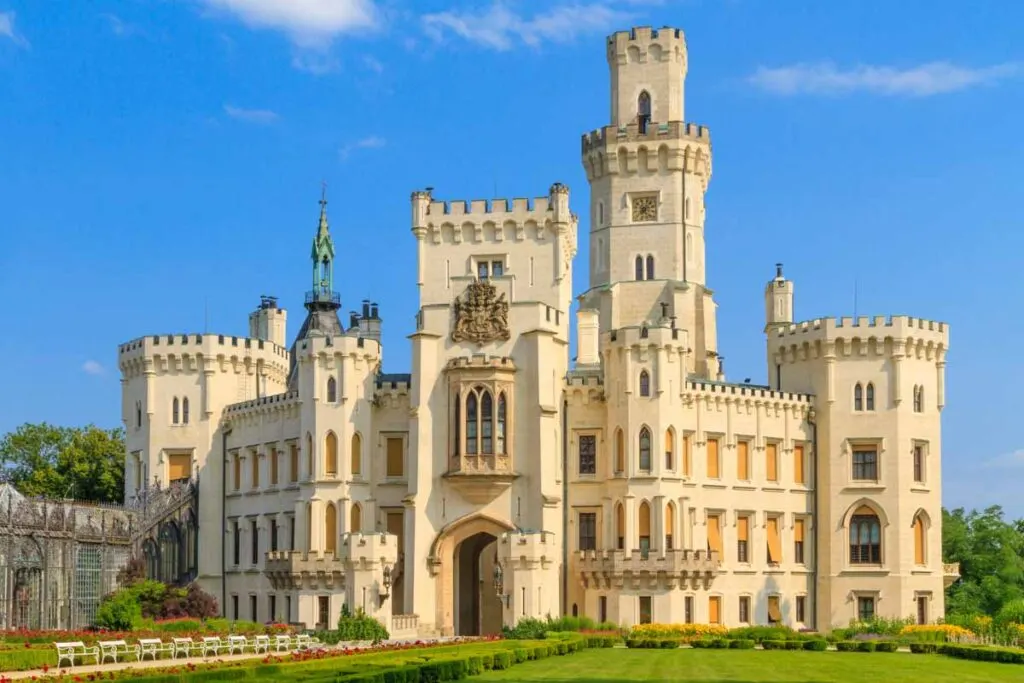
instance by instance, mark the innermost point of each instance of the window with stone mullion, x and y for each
(486, 424)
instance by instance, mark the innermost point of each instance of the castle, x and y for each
(497, 480)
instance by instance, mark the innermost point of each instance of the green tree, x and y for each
(990, 551)
(85, 463)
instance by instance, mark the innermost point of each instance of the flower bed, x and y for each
(683, 632)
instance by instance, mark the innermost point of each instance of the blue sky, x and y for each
(160, 159)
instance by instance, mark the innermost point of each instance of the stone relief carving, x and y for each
(482, 316)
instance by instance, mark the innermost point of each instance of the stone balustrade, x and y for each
(950, 573)
(404, 624)
(288, 569)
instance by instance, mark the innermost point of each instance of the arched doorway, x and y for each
(477, 607)
(464, 554)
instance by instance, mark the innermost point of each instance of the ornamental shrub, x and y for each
(886, 646)
(847, 646)
(119, 611)
(360, 627)
(742, 644)
(816, 645)
(773, 644)
(866, 646)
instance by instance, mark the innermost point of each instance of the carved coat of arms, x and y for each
(482, 315)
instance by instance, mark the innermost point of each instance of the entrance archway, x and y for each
(465, 553)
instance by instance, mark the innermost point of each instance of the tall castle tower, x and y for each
(648, 172)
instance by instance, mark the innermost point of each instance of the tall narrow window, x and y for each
(684, 457)
(646, 612)
(395, 466)
(458, 425)
(742, 460)
(254, 538)
(743, 540)
(858, 397)
(174, 411)
(332, 390)
(918, 463)
(620, 527)
(712, 454)
(715, 609)
(588, 454)
(645, 450)
(918, 399)
(774, 612)
(588, 531)
(643, 523)
(331, 454)
(870, 397)
(502, 416)
(799, 464)
(255, 460)
(639, 268)
(620, 451)
(865, 463)
(471, 423)
(184, 410)
(331, 529)
(274, 467)
(645, 383)
(273, 535)
(798, 542)
(643, 111)
(650, 267)
(486, 424)
(771, 454)
(138, 414)
(670, 525)
(670, 448)
(356, 517)
(309, 457)
(236, 466)
(774, 541)
(236, 540)
(715, 533)
(920, 555)
(293, 463)
(357, 455)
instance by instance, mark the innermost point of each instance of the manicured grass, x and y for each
(754, 666)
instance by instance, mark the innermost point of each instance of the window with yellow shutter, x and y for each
(714, 610)
(774, 542)
(237, 471)
(772, 461)
(712, 449)
(798, 541)
(293, 464)
(799, 464)
(919, 541)
(395, 457)
(742, 460)
(774, 611)
(179, 467)
(273, 466)
(686, 455)
(715, 533)
(254, 457)
(743, 540)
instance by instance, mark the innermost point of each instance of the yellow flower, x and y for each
(948, 631)
(678, 630)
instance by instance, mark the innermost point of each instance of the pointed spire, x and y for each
(323, 229)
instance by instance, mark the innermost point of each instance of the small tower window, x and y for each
(858, 397)
(645, 383)
(138, 414)
(332, 390)
(600, 213)
(650, 267)
(918, 399)
(643, 111)
(639, 267)
(184, 410)
(870, 396)
(175, 408)
(645, 450)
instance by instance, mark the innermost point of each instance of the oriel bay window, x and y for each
(481, 411)
(485, 422)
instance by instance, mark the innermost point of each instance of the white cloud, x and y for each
(371, 142)
(1011, 460)
(933, 78)
(308, 23)
(7, 29)
(91, 367)
(121, 28)
(500, 28)
(263, 116)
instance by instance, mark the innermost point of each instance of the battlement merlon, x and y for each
(609, 138)
(670, 44)
(528, 548)
(898, 328)
(659, 336)
(142, 351)
(324, 346)
(427, 211)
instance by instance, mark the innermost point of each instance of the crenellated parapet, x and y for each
(646, 44)
(497, 220)
(198, 353)
(747, 396)
(901, 336)
(627, 150)
(276, 406)
(332, 349)
(528, 550)
(584, 389)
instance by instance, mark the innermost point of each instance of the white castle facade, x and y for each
(498, 480)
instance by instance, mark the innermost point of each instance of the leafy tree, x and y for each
(85, 463)
(990, 551)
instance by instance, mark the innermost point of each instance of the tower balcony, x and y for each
(647, 569)
(950, 573)
(289, 569)
(317, 296)
(479, 478)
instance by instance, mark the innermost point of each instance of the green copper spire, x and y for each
(323, 256)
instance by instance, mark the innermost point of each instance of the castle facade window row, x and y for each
(680, 457)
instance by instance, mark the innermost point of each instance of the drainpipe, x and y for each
(565, 504)
(224, 519)
(814, 511)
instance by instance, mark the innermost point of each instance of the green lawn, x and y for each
(754, 666)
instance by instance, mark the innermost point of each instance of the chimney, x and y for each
(587, 337)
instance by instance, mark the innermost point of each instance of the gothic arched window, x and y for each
(645, 383)
(865, 537)
(643, 110)
(486, 423)
(502, 417)
(458, 424)
(639, 268)
(184, 410)
(645, 450)
(650, 267)
(471, 424)
(870, 397)
(858, 397)
(175, 407)
(332, 390)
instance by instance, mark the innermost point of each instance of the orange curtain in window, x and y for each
(686, 455)
(620, 451)
(357, 519)
(799, 475)
(255, 459)
(712, 448)
(774, 544)
(714, 610)
(331, 446)
(357, 454)
(774, 613)
(293, 465)
(919, 554)
(772, 461)
(273, 466)
(238, 471)
(715, 533)
(743, 529)
(798, 531)
(742, 461)
(331, 528)
(395, 465)
(180, 467)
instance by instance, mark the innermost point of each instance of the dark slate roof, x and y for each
(321, 319)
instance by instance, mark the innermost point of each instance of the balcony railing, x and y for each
(325, 296)
(671, 566)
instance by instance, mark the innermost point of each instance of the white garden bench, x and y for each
(237, 644)
(212, 644)
(261, 644)
(112, 649)
(184, 646)
(154, 647)
(303, 642)
(283, 643)
(69, 651)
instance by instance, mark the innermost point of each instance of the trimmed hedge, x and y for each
(1003, 655)
(816, 645)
